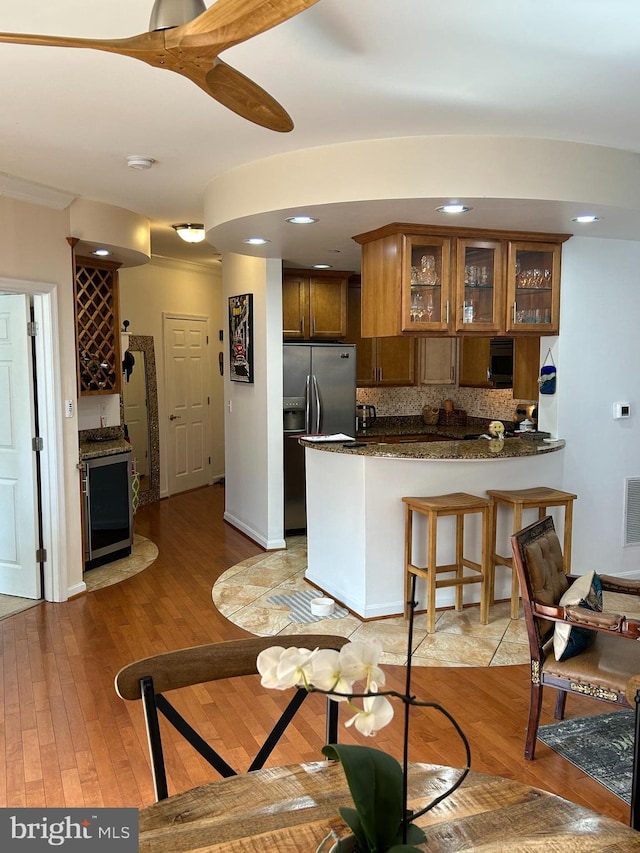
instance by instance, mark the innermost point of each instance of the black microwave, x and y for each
(501, 363)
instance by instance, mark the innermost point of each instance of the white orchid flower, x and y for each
(267, 665)
(359, 661)
(294, 667)
(376, 713)
(327, 675)
(282, 668)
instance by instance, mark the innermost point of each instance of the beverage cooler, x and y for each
(108, 513)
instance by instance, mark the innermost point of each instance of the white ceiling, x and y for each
(344, 69)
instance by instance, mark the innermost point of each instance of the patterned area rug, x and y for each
(299, 604)
(601, 746)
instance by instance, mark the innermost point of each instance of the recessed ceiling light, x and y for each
(256, 241)
(301, 220)
(322, 267)
(101, 253)
(586, 217)
(453, 208)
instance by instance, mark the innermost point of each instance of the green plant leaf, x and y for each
(351, 818)
(375, 783)
(415, 835)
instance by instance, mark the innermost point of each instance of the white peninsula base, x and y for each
(355, 521)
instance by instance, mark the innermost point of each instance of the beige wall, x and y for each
(165, 286)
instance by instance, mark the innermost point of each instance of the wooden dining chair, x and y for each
(151, 678)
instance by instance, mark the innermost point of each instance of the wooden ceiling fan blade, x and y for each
(230, 22)
(135, 46)
(244, 97)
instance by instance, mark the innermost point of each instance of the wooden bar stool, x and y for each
(458, 505)
(540, 498)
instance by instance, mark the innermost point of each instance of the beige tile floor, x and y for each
(143, 553)
(241, 594)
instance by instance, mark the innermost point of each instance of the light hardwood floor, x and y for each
(67, 739)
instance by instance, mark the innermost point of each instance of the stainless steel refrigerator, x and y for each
(319, 389)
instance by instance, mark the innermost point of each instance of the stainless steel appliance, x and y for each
(366, 416)
(108, 515)
(501, 362)
(319, 386)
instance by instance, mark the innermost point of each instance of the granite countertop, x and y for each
(480, 448)
(107, 441)
(512, 447)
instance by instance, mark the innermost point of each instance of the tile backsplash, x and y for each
(477, 402)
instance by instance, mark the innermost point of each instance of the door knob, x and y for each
(174, 417)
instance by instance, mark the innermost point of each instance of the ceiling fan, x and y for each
(187, 38)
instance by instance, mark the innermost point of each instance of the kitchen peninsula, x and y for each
(355, 514)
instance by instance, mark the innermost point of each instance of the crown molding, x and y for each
(179, 263)
(23, 190)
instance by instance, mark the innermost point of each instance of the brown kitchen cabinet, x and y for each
(423, 279)
(379, 361)
(474, 365)
(314, 305)
(533, 288)
(479, 286)
(99, 362)
(437, 361)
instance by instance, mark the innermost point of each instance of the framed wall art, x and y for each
(241, 338)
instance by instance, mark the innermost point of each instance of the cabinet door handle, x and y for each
(302, 326)
(515, 312)
(447, 311)
(313, 326)
(380, 371)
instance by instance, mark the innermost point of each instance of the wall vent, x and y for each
(632, 511)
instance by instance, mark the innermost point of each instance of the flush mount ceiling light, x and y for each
(454, 207)
(190, 232)
(101, 253)
(140, 161)
(301, 220)
(167, 14)
(256, 241)
(586, 217)
(322, 267)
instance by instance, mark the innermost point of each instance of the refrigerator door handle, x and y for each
(307, 405)
(318, 405)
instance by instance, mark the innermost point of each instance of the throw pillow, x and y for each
(569, 640)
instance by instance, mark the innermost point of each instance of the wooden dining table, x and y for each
(290, 809)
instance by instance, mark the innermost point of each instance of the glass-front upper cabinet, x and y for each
(533, 288)
(479, 286)
(426, 297)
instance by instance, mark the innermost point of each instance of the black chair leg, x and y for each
(635, 793)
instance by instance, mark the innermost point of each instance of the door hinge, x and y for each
(37, 443)
(209, 460)
(207, 340)
(208, 401)
(32, 328)
(41, 555)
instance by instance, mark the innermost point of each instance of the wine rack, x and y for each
(97, 327)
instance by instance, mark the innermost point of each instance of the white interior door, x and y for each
(187, 370)
(19, 569)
